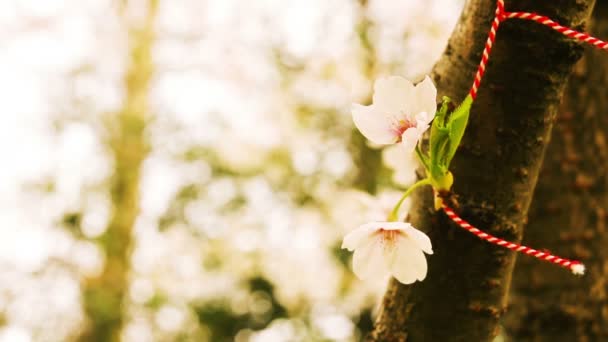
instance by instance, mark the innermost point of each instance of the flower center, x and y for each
(388, 237)
(401, 126)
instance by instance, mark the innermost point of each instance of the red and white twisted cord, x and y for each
(576, 267)
(583, 37)
(485, 56)
(501, 15)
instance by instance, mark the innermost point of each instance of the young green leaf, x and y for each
(457, 123)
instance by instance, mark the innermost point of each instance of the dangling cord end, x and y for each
(576, 267)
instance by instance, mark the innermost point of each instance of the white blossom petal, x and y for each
(408, 263)
(403, 162)
(389, 247)
(424, 118)
(373, 125)
(425, 98)
(369, 260)
(421, 239)
(411, 136)
(392, 95)
(359, 236)
(398, 107)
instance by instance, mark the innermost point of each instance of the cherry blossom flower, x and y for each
(394, 248)
(400, 112)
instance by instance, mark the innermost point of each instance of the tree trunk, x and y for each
(104, 296)
(465, 292)
(568, 215)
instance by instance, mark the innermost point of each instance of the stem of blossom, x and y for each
(394, 215)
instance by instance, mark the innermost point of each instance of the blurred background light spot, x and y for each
(169, 318)
(252, 171)
(14, 334)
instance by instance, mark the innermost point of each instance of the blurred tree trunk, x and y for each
(568, 215)
(465, 292)
(104, 296)
(368, 160)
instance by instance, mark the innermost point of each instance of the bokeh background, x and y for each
(185, 170)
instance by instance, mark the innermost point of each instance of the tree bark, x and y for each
(568, 215)
(104, 295)
(465, 292)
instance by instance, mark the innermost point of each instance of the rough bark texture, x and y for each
(568, 215)
(464, 294)
(104, 296)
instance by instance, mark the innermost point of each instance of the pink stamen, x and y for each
(388, 237)
(400, 127)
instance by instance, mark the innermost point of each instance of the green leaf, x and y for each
(439, 134)
(446, 133)
(456, 125)
(442, 112)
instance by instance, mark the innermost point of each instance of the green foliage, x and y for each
(156, 301)
(72, 222)
(341, 254)
(224, 323)
(457, 125)
(446, 133)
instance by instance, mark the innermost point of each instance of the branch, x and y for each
(572, 199)
(104, 295)
(496, 170)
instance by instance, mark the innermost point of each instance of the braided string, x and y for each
(583, 37)
(575, 267)
(501, 15)
(485, 56)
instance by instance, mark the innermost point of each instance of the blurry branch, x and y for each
(363, 30)
(104, 295)
(368, 160)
